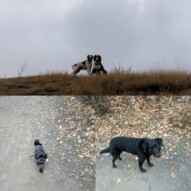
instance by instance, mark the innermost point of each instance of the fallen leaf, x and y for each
(173, 175)
(81, 185)
(81, 149)
(45, 172)
(118, 180)
(81, 156)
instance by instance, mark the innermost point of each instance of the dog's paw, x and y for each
(114, 166)
(151, 164)
(143, 170)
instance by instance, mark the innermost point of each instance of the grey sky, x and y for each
(51, 35)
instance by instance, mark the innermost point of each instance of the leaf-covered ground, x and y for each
(146, 116)
(165, 117)
(91, 121)
(79, 131)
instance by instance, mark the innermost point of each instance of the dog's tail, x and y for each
(107, 150)
(74, 65)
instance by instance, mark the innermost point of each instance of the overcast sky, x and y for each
(51, 35)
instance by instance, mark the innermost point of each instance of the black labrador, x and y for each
(40, 155)
(143, 148)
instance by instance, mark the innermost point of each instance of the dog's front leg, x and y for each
(113, 161)
(141, 161)
(149, 163)
(89, 70)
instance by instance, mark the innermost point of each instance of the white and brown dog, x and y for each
(85, 65)
(98, 67)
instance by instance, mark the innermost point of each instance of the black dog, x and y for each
(143, 148)
(39, 155)
(98, 66)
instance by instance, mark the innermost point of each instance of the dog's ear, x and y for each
(89, 56)
(143, 144)
(36, 142)
(99, 57)
(160, 141)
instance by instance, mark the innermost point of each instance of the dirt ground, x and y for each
(22, 120)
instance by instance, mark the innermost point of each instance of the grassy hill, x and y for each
(114, 83)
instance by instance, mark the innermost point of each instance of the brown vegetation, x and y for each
(114, 83)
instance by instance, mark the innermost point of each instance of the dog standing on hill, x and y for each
(98, 66)
(40, 155)
(85, 65)
(143, 148)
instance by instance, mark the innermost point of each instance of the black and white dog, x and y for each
(85, 65)
(98, 66)
(39, 155)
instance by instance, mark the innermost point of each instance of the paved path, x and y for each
(22, 120)
(158, 178)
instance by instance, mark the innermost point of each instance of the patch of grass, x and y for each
(114, 83)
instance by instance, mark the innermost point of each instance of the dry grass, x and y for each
(114, 83)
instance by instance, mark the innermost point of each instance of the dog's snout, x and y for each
(42, 160)
(157, 155)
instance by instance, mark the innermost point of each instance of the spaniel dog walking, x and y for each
(85, 65)
(40, 155)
